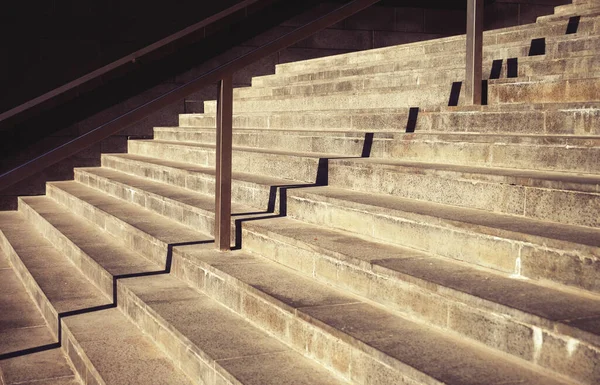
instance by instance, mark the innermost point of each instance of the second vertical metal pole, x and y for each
(223, 165)
(473, 80)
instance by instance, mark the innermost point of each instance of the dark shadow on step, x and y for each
(573, 25)
(496, 70)
(454, 94)
(538, 47)
(116, 278)
(512, 67)
(411, 123)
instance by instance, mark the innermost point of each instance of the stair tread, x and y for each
(504, 222)
(545, 302)
(63, 284)
(420, 347)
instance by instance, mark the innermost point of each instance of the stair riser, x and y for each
(576, 90)
(528, 256)
(502, 194)
(507, 155)
(132, 237)
(564, 67)
(345, 356)
(252, 194)
(90, 268)
(196, 364)
(196, 218)
(558, 122)
(468, 316)
(294, 168)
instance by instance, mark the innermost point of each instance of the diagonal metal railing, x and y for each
(223, 76)
(74, 87)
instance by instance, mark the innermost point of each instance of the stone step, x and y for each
(255, 191)
(371, 345)
(92, 331)
(547, 196)
(293, 166)
(517, 151)
(574, 119)
(394, 75)
(29, 351)
(545, 251)
(558, 48)
(552, 29)
(354, 83)
(140, 229)
(186, 207)
(213, 343)
(516, 316)
(570, 90)
(362, 350)
(188, 326)
(390, 97)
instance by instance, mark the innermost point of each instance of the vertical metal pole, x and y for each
(474, 51)
(223, 165)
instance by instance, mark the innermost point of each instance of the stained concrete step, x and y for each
(254, 190)
(367, 354)
(565, 49)
(548, 196)
(102, 344)
(189, 208)
(29, 350)
(518, 151)
(516, 316)
(576, 118)
(553, 28)
(394, 75)
(390, 97)
(204, 339)
(553, 31)
(572, 90)
(552, 252)
(294, 166)
(371, 344)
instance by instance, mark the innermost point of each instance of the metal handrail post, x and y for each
(223, 164)
(474, 75)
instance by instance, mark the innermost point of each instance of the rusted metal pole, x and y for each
(223, 164)
(474, 73)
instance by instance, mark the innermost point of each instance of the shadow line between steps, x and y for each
(116, 278)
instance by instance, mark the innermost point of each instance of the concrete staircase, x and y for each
(465, 252)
